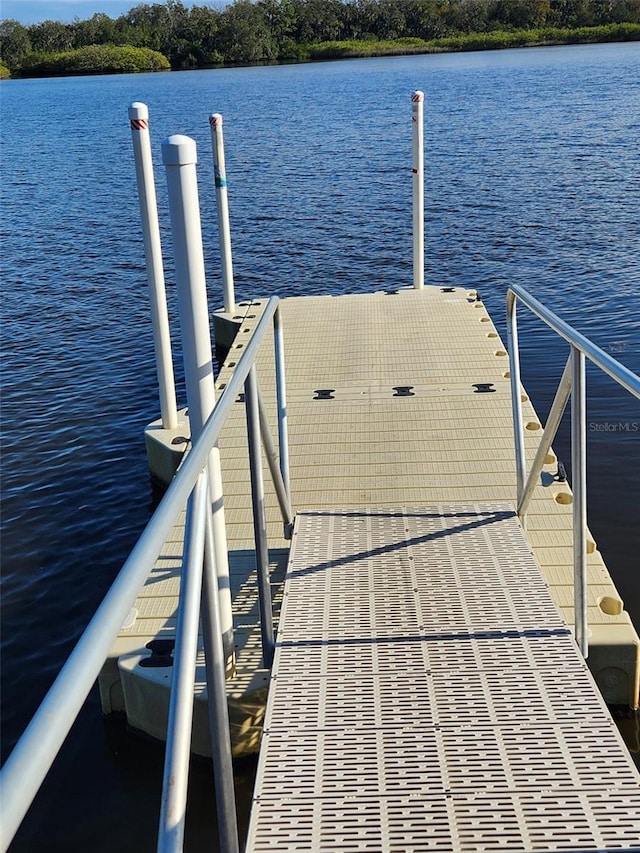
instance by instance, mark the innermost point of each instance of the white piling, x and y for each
(220, 177)
(139, 119)
(417, 119)
(180, 158)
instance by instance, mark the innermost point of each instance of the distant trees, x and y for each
(96, 59)
(14, 42)
(99, 29)
(51, 36)
(264, 30)
(245, 34)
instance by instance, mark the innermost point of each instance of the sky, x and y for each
(34, 11)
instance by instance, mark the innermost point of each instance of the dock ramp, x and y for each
(427, 695)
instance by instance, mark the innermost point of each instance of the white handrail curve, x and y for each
(572, 381)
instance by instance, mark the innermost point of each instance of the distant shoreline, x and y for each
(500, 40)
(108, 59)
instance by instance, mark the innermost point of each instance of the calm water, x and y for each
(533, 176)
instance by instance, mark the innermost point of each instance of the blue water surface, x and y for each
(532, 177)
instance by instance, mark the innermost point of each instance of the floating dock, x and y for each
(427, 695)
(429, 690)
(400, 415)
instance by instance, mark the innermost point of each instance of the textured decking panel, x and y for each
(366, 446)
(427, 696)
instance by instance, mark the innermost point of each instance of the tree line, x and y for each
(286, 30)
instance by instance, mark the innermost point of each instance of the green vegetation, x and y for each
(296, 30)
(4, 71)
(96, 59)
(476, 41)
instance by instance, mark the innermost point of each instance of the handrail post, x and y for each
(139, 120)
(581, 348)
(179, 724)
(217, 703)
(281, 398)
(516, 402)
(579, 488)
(220, 178)
(180, 158)
(259, 516)
(417, 119)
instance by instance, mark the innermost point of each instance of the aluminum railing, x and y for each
(573, 383)
(33, 755)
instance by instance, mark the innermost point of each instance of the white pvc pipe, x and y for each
(417, 120)
(220, 177)
(180, 158)
(139, 119)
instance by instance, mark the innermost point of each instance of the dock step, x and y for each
(426, 695)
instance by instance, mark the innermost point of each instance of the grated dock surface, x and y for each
(426, 695)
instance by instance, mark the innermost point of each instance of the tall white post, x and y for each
(579, 488)
(180, 158)
(220, 177)
(139, 119)
(417, 119)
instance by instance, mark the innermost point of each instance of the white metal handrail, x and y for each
(33, 755)
(572, 383)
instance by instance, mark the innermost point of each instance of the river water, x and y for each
(532, 176)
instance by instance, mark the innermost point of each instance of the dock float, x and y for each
(393, 399)
(427, 692)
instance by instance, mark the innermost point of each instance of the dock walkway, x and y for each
(402, 400)
(426, 695)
